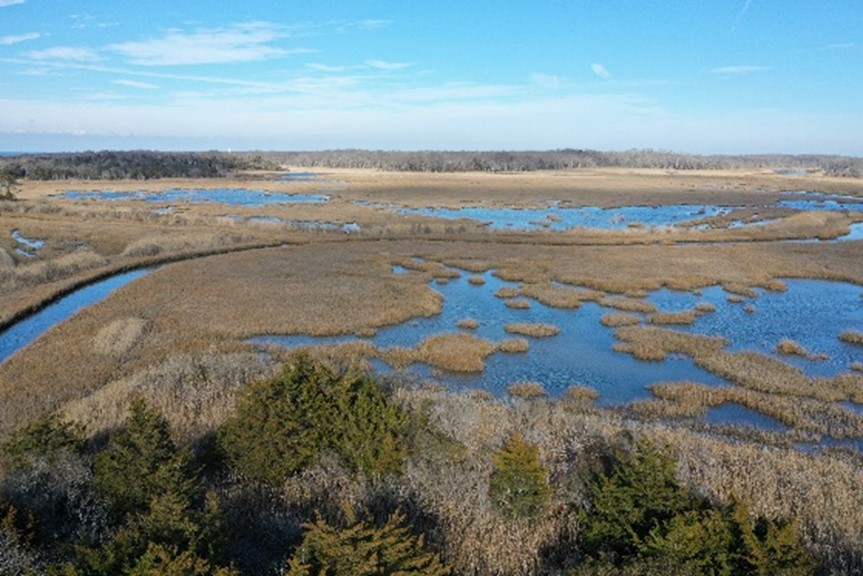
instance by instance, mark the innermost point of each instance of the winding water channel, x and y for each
(23, 333)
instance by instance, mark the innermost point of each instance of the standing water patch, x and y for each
(580, 354)
(28, 330)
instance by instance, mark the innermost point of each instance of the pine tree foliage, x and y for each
(142, 463)
(639, 495)
(519, 484)
(43, 439)
(362, 549)
(282, 425)
(642, 521)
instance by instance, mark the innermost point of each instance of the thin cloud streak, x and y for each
(4, 3)
(601, 71)
(732, 70)
(135, 84)
(17, 39)
(384, 65)
(234, 44)
(64, 53)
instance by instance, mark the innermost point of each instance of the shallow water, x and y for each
(580, 354)
(28, 330)
(730, 413)
(30, 243)
(559, 218)
(230, 196)
(811, 312)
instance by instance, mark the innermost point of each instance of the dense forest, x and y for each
(144, 165)
(324, 471)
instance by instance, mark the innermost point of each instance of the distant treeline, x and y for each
(144, 165)
(528, 161)
(134, 165)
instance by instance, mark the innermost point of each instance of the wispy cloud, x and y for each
(367, 24)
(601, 71)
(741, 14)
(18, 38)
(325, 67)
(239, 43)
(840, 46)
(135, 84)
(385, 65)
(85, 22)
(736, 70)
(4, 3)
(65, 53)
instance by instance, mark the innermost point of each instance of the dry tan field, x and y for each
(226, 280)
(178, 336)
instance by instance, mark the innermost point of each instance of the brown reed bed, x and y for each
(559, 296)
(468, 323)
(580, 395)
(476, 280)
(680, 318)
(518, 303)
(852, 337)
(526, 390)
(628, 304)
(532, 329)
(506, 292)
(618, 319)
(514, 346)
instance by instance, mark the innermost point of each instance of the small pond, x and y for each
(559, 218)
(811, 312)
(26, 247)
(581, 354)
(28, 330)
(731, 413)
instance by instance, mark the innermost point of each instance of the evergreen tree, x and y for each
(519, 484)
(362, 549)
(142, 463)
(283, 425)
(640, 494)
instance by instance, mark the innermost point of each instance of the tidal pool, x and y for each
(26, 247)
(810, 312)
(230, 196)
(28, 330)
(581, 354)
(559, 218)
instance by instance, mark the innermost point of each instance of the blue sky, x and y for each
(700, 76)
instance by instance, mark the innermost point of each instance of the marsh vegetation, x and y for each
(469, 400)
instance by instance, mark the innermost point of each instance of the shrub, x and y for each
(519, 483)
(361, 549)
(45, 438)
(141, 463)
(639, 493)
(49, 479)
(642, 521)
(282, 425)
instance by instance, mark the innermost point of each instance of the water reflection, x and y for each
(812, 313)
(580, 354)
(559, 218)
(28, 330)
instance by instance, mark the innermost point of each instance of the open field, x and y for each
(179, 336)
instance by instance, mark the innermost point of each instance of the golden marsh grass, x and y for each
(532, 329)
(618, 319)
